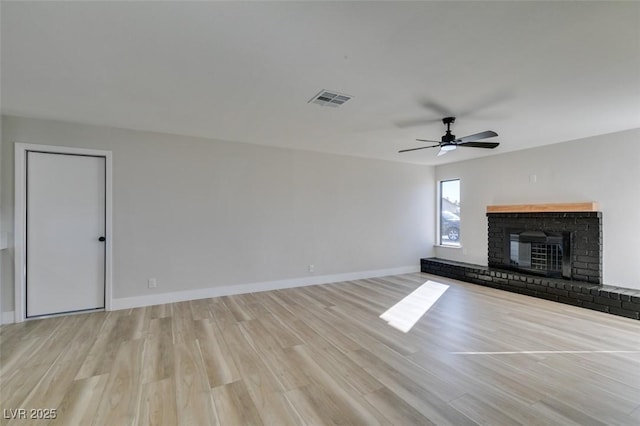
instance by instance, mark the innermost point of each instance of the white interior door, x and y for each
(65, 259)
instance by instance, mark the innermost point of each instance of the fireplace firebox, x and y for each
(539, 252)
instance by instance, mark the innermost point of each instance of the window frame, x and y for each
(441, 242)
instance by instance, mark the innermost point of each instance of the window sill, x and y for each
(449, 246)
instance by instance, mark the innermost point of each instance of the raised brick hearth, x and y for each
(613, 300)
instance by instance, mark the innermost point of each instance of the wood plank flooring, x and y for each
(320, 355)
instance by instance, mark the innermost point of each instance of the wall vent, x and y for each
(330, 98)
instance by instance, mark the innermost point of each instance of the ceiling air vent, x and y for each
(330, 98)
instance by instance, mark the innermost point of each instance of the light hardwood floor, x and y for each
(320, 355)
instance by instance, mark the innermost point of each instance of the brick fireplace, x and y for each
(549, 251)
(548, 243)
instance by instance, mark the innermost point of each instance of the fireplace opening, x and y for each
(540, 252)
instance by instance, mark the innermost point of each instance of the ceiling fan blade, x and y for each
(416, 122)
(436, 107)
(441, 110)
(489, 145)
(415, 149)
(427, 140)
(481, 135)
(485, 103)
(442, 152)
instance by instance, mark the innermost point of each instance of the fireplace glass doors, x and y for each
(539, 252)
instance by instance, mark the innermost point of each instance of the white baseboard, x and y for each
(8, 318)
(181, 296)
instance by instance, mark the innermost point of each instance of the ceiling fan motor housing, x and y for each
(447, 138)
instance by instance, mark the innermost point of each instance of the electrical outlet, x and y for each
(312, 268)
(153, 283)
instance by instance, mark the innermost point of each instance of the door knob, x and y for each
(101, 239)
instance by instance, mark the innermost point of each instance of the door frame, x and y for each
(20, 222)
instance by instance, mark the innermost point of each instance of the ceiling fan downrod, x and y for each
(448, 137)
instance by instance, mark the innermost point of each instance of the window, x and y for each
(450, 212)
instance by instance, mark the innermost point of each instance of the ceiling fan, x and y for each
(449, 141)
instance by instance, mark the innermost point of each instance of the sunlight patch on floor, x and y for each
(404, 314)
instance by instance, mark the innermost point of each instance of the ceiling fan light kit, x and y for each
(448, 142)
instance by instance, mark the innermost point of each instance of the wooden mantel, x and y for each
(590, 206)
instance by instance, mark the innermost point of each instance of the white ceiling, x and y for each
(534, 72)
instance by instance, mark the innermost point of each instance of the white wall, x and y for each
(605, 169)
(3, 236)
(197, 213)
